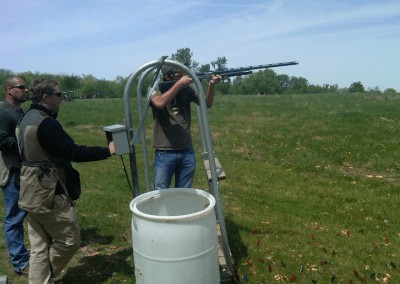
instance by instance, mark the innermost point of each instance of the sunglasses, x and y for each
(21, 87)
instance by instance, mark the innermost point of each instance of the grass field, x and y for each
(311, 195)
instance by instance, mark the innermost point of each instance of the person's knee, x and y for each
(76, 245)
(70, 245)
(158, 185)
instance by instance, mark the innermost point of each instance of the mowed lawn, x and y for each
(311, 194)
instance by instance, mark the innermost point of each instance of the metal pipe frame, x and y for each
(205, 134)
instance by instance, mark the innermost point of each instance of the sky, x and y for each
(335, 41)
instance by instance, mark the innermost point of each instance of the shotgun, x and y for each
(233, 72)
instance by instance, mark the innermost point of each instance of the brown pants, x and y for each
(54, 239)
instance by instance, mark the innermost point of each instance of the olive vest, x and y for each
(40, 171)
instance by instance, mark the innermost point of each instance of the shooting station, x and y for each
(178, 235)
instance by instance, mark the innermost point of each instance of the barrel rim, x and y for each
(157, 193)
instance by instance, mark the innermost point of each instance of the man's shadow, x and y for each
(96, 267)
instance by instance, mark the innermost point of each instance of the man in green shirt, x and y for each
(171, 138)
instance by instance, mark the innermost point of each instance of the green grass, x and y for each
(312, 189)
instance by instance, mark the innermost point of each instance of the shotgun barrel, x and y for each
(233, 71)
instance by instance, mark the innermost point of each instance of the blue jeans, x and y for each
(180, 163)
(13, 226)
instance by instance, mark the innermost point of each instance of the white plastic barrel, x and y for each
(174, 237)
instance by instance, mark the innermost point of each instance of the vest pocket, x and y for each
(37, 189)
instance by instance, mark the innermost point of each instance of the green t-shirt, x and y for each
(171, 125)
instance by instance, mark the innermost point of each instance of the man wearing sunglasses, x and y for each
(46, 152)
(15, 92)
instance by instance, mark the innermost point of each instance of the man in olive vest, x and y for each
(46, 152)
(15, 92)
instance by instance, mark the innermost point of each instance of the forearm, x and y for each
(210, 95)
(210, 90)
(160, 101)
(80, 153)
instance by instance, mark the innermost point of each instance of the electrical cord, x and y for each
(126, 174)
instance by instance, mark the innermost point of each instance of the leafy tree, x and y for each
(325, 88)
(104, 88)
(88, 86)
(284, 81)
(334, 88)
(219, 64)
(264, 82)
(205, 68)
(119, 86)
(184, 56)
(239, 86)
(375, 90)
(70, 82)
(390, 91)
(298, 85)
(356, 87)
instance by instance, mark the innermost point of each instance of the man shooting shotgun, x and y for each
(171, 137)
(233, 72)
(174, 155)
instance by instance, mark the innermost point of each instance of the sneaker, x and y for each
(23, 272)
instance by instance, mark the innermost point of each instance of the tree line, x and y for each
(264, 82)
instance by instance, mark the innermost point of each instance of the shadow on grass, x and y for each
(238, 249)
(91, 236)
(99, 267)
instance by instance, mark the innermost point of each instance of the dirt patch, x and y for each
(354, 171)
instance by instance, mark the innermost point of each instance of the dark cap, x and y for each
(169, 69)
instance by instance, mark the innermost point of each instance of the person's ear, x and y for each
(45, 97)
